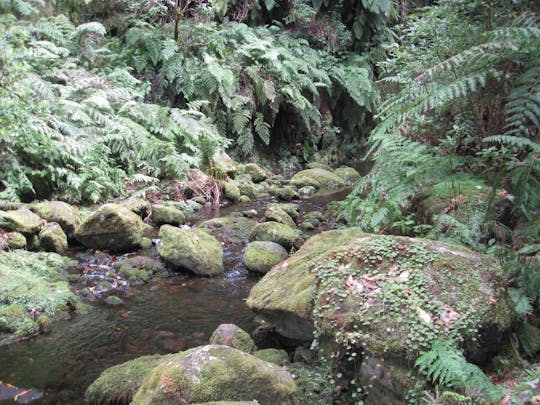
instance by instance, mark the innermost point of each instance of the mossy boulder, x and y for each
(230, 228)
(22, 220)
(278, 214)
(318, 165)
(16, 240)
(274, 232)
(111, 227)
(256, 172)
(347, 174)
(164, 215)
(262, 256)
(118, 384)
(231, 335)
(32, 284)
(223, 162)
(276, 356)
(318, 178)
(306, 191)
(215, 373)
(231, 191)
(391, 294)
(140, 269)
(289, 208)
(191, 249)
(287, 193)
(139, 206)
(67, 216)
(52, 238)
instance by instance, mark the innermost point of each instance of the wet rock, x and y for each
(67, 216)
(348, 174)
(140, 269)
(307, 226)
(224, 163)
(256, 172)
(112, 227)
(274, 232)
(244, 199)
(262, 256)
(318, 165)
(287, 193)
(306, 191)
(191, 249)
(231, 191)
(114, 301)
(231, 335)
(250, 213)
(145, 243)
(290, 208)
(52, 238)
(230, 228)
(22, 220)
(318, 178)
(188, 207)
(16, 240)
(164, 215)
(358, 284)
(276, 356)
(278, 214)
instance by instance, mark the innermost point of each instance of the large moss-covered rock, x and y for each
(289, 208)
(318, 178)
(32, 289)
(276, 356)
(274, 232)
(223, 162)
(16, 240)
(231, 191)
(319, 165)
(191, 249)
(162, 215)
(278, 214)
(67, 216)
(347, 174)
(52, 238)
(231, 335)
(215, 373)
(205, 374)
(262, 256)
(22, 220)
(287, 193)
(139, 206)
(256, 172)
(112, 227)
(390, 294)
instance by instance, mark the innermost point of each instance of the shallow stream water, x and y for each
(164, 316)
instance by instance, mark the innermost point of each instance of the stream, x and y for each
(166, 315)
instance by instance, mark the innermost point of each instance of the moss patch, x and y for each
(262, 256)
(231, 335)
(274, 232)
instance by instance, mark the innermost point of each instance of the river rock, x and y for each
(306, 191)
(274, 232)
(164, 215)
(191, 249)
(139, 206)
(318, 165)
(231, 335)
(140, 269)
(277, 214)
(67, 216)
(276, 356)
(262, 256)
(112, 227)
(52, 238)
(287, 193)
(16, 240)
(22, 220)
(392, 294)
(231, 191)
(223, 162)
(318, 178)
(347, 174)
(256, 172)
(290, 208)
(230, 228)
(199, 375)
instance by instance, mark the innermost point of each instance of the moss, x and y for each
(231, 191)
(52, 238)
(233, 336)
(277, 214)
(306, 191)
(274, 232)
(256, 172)
(244, 199)
(21, 220)
(138, 206)
(290, 208)
(111, 227)
(162, 214)
(318, 165)
(287, 193)
(118, 384)
(347, 174)
(67, 216)
(262, 256)
(191, 249)
(32, 284)
(276, 356)
(16, 240)
(230, 227)
(318, 178)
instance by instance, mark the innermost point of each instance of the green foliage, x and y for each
(445, 365)
(82, 135)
